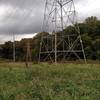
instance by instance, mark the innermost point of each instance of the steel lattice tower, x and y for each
(59, 44)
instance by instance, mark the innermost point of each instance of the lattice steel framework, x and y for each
(60, 44)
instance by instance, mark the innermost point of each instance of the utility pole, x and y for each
(14, 58)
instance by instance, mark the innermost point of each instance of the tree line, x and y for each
(89, 30)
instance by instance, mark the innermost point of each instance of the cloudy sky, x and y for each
(26, 16)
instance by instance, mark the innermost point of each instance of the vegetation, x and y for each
(90, 32)
(49, 82)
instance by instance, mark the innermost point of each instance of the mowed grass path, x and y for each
(49, 82)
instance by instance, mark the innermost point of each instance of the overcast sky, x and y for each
(26, 16)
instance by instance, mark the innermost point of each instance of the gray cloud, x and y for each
(26, 16)
(22, 16)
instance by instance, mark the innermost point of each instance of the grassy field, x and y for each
(49, 82)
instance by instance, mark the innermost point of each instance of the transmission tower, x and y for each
(14, 47)
(28, 53)
(60, 44)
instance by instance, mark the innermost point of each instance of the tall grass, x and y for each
(49, 82)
